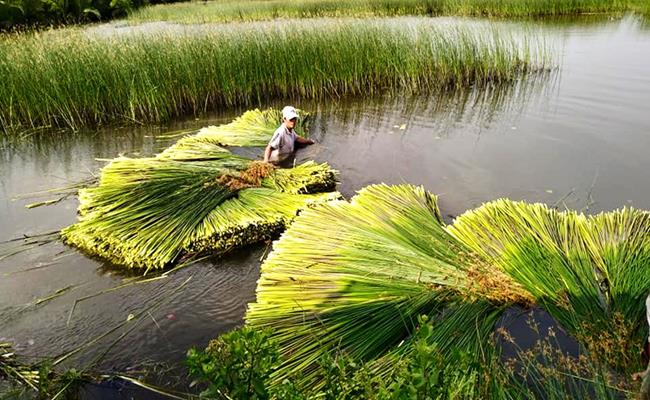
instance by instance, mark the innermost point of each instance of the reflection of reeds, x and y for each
(74, 78)
(354, 276)
(228, 11)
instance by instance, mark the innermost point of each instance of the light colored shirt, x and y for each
(282, 143)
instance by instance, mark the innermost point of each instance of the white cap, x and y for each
(289, 112)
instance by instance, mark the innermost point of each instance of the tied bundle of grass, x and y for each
(589, 273)
(195, 197)
(147, 213)
(353, 277)
(256, 214)
(254, 128)
(308, 177)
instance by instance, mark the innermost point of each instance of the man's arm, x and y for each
(267, 153)
(302, 140)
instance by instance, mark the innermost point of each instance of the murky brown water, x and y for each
(577, 139)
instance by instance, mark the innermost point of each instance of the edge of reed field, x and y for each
(72, 78)
(232, 11)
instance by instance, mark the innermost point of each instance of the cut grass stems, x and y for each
(353, 277)
(256, 10)
(254, 128)
(71, 78)
(151, 212)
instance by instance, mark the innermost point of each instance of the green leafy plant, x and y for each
(236, 365)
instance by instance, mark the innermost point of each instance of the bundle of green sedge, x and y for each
(195, 197)
(354, 277)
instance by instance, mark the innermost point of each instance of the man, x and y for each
(283, 142)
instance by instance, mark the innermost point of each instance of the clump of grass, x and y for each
(150, 212)
(355, 275)
(230, 11)
(72, 78)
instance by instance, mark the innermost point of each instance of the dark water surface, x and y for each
(577, 138)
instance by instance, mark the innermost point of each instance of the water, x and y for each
(577, 139)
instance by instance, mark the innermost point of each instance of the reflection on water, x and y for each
(574, 138)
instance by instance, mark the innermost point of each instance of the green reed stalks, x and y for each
(230, 11)
(73, 78)
(150, 212)
(353, 277)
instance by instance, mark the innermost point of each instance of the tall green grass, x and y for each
(229, 11)
(73, 78)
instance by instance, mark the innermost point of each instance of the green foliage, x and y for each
(73, 78)
(18, 14)
(236, 365)
(21, 380)
(239, 365)
(255, 10)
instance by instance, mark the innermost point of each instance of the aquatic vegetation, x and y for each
(354, 276)
(230, 11)
(240, 363)
(72, 78)
(151, 212)
(26, 380)
(589, 273)
(253, 128)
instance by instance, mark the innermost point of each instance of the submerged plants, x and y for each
(354, 276)
(151, 212)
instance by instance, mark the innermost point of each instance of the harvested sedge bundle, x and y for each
(254, 128)
(353, 277)
(150, 212)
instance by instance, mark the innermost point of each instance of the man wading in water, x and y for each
(283, 142)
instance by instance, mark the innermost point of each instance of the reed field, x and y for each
(392, 259)
(229, 11)
(72, 78)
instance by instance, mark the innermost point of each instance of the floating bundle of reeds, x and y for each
(253, 128)
(353, 277)
(151, 212)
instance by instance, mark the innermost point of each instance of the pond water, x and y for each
(577, 138)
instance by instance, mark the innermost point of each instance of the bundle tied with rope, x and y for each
(195, 197)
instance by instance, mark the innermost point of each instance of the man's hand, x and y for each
(303, 140)
(267, 153)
